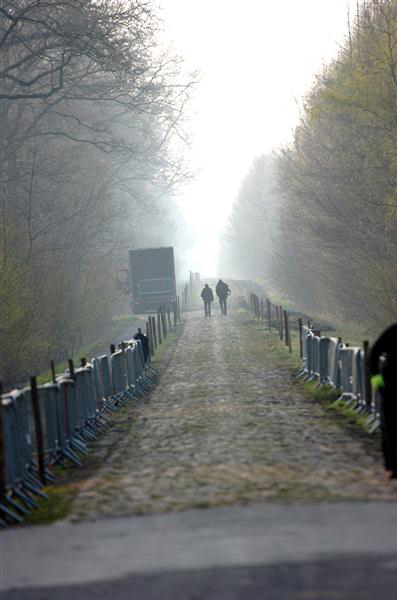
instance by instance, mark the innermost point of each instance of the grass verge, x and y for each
(118, 326)
(277, 354)
(167, 342)
(56, 507)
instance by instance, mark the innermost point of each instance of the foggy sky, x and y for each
(256, 60)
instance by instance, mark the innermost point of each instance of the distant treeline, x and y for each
(318, 220)
(90, 107)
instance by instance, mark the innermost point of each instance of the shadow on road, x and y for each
(363, 577)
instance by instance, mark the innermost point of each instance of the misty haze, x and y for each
(198, 299)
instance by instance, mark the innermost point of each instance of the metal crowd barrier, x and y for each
(329, 362)
(74, 410)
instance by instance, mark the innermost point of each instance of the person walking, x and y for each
(222, 291)
(208, 297)
(384, 379)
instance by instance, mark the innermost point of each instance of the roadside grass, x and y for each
(350, 334)
(119, 323)
(57, 506)
(277, 354)
(167, 342)
(275, 349)
(353, 333)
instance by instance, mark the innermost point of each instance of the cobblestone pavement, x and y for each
(224, 427)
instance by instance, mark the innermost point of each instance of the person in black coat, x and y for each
(384, 379)
(222, 291)
(207, 297)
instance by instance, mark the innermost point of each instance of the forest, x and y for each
(92, 130)
(316, 221)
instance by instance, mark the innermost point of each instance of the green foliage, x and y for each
(113, 332)
(172, 335)
(334, 249)
(18, 321)
(57, 506)
(38, 324)
(338, 180)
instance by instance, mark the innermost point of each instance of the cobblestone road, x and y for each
(225, 427)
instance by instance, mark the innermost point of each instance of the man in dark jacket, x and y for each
(208, 297)
(384, 379)
(222, 291)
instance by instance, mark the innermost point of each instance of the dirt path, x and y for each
(225, 427)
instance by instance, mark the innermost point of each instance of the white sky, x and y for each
(255, 58)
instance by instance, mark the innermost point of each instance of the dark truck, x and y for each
(152, 278)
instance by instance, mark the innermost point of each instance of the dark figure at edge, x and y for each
(207, 297)
(222, 291)
(384, 378)
(145, 343)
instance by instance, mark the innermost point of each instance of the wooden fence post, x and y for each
(151, 331)
(153, 322)
(149, 337)
(269, 317)
(286, 328)
(164, 335)
(280, 310)
(300, 338)
(169, 317)
(368, 388)
(38, 429)
(53, 373)
(159, 325)
(71, 365)
(162, 313)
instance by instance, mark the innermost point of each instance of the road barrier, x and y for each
(344, 368)
(52, 424)
(326, 360)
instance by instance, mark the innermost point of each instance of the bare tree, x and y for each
(91, 112)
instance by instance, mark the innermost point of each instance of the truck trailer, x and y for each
(152, 278)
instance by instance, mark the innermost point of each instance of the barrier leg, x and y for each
(34, 490)
(25, 498)
(70, 455)
(19, 508)
(10, 514)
